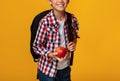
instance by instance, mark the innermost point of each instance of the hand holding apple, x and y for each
(61, 51)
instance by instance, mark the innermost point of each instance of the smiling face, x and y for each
(59, 5)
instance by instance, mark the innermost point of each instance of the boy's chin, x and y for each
(60, 10)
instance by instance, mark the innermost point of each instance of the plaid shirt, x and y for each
(47, 38)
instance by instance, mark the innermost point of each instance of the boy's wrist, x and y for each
(52, 55)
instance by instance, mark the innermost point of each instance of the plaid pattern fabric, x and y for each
(47, 38)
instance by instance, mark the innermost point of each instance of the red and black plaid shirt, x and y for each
(47, 38)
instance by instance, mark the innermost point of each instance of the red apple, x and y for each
(61, 51)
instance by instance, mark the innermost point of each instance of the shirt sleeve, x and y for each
(75, 26)
(39, 42)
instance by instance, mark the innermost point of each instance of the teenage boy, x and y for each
(53, 32)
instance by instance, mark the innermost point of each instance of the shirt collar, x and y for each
(55, 23)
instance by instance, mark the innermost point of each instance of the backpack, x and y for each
(34, 27)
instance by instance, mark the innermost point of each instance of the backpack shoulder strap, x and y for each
(70, 34)
(70, 28)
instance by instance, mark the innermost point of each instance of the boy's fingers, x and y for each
(59, 59)
(70, 43)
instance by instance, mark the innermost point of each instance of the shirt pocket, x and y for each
(52, 34)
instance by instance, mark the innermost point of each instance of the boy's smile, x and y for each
(59, 5)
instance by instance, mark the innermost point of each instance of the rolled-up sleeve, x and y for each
(76, 27)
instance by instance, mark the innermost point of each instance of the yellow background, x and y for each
(97, 57)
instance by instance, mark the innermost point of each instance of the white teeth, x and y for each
(60, 4)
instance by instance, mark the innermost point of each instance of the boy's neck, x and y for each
(59, 15)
